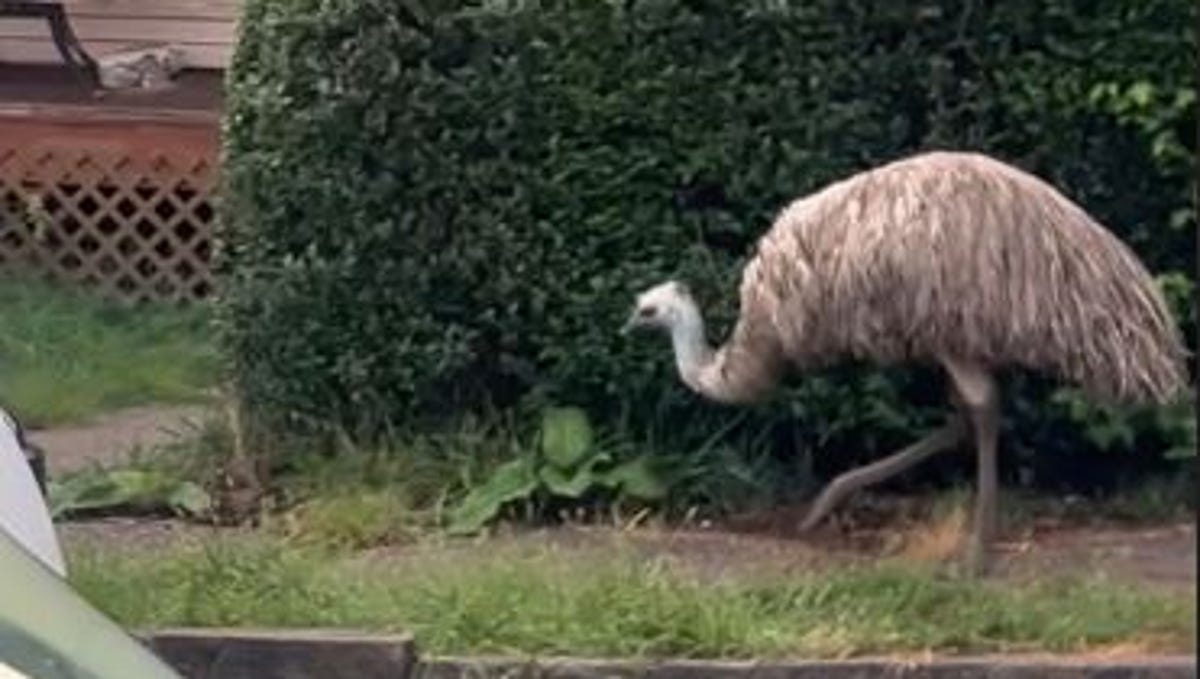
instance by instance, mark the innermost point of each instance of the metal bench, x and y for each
(65, 40)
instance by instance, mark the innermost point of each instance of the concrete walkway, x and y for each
(110, 438)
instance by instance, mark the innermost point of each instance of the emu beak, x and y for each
(630, 325)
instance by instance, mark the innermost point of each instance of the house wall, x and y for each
(204, 29)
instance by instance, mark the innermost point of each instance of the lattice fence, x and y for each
(135, 224)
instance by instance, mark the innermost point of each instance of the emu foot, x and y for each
(816, 517)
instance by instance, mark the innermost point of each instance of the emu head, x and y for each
(662, 307)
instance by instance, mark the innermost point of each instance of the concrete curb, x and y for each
(1175, 667)
(284, 654)
(321, 654)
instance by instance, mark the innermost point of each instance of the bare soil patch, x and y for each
(1161, 556)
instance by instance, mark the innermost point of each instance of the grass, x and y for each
(944, 534)
(68, 354)
(551, 602)
(351, 520)
(305, 567)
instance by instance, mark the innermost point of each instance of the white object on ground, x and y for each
(23, 513)
(147, 66)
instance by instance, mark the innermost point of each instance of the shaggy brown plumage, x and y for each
(950, 255)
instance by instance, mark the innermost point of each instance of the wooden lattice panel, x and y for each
(134, 223)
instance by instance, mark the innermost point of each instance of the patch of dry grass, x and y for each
(940, 539)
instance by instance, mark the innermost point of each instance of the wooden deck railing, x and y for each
(119, 203)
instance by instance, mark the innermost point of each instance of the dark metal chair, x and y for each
(65, 40)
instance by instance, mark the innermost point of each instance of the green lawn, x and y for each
(67, 354)
(546, 601)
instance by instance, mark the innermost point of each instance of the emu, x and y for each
(948, 258)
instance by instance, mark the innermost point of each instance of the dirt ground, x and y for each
(1161, 556)
(757, 543)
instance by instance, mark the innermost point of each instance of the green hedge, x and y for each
(434, 211)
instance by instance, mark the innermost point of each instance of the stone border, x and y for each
(284, 654)
(322, 654)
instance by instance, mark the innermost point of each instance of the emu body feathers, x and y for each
(949, 255)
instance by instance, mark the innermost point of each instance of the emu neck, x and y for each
(744, 370)
(693, 355)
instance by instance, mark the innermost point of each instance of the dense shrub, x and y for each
(440, 210)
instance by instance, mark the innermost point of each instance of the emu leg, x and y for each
(979, 396)
(939, 440)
